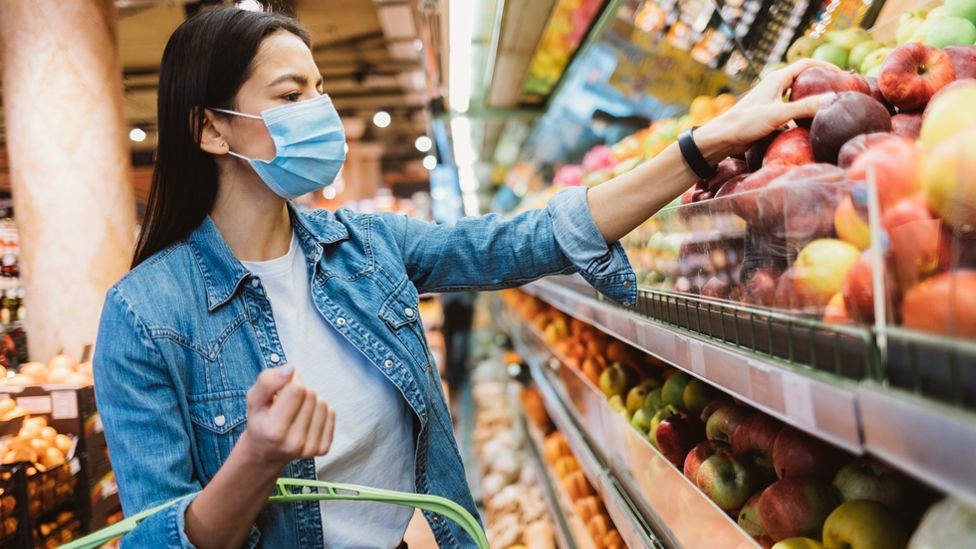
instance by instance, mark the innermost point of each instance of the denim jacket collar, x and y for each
(223, 272)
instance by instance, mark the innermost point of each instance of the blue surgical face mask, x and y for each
(309, 146)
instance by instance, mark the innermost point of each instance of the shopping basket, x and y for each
(327, 491)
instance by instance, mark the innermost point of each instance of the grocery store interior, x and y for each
(798, 370)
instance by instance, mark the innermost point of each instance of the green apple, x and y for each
(727, 480)
(860, 51)
(674, 389)
(617, 403)
(950, 31)
(833, 54)
(961, 8)
(659, 416)
(908, 23)
(934, 16)
(697, 395)
(641, 420)
(848, 38)
(862, 524)
(636, 396)
(798, 543)
(654, 400)
(873, 72)
(802, 48)
(874, 59)
(617, 379)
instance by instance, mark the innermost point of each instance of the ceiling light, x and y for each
(381, 119)
(459, 60)
(418, 44)
(423, 143)
(329, 192)
(137, 135)
(430, 162)
(250, 5)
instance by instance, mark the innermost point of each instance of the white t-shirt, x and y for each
(373, 443)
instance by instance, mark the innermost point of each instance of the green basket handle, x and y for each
(326, 491)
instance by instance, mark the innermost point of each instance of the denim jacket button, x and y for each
(409, 312)
(255, 282)
(388, 363)
(341, 321)
(274, 357)
(219, 421)
(627, 284)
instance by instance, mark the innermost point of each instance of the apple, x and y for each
(869, 479)
(913, 73)
(862, 524)
(745, 202)
(726, 170)
(848, 115)
(677, 434)
(790, 147)
(944, 304)
(636, 396)
(896, 164)
(617, 379)
(716, 288)
(908, 24)
(860, 143)
(796, 454)
(949, 181)
(674, 388)
(833, 54)
(760, 287)
(722, 424)
(850, 226)
(756, 152)
(836, 311)
(950, 31)
(697, 395)
(654, 399)
(961, 8)
(877, 95)
(798, 543)
(617, 403)
(874, 61)
(802, 201)
(934, 16)
(795, 506)
(802, 48)
(847, 38)
(818, 80)
(713, 406)
(749, 517)
(663, 413)
(915, 239)
(950, 113)
(907, 125)
(726, 480)
(858, 289)
(754, 438)
(963, 61)
(699, 454)
(820, 269)
(641, 419)
(860, 51)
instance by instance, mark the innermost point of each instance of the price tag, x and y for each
(696, 359)
(798, 400)
(64, 405)
(764, 384)
(35, 404)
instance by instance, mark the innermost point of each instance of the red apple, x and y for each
(907, 125)
(944, 304)
(699, 454)
(756, 153)
(677, 435)
(721, 425)
(726, 170)
(859, 143)
(710, 409)
(749, 517)
(754, 438)
(819, 80)
(803, 200)
(850, 114)
(876, 93)
(836, 311)
(790, 147)
(796, 506)
(745, 202)
(963, 60)
(727, 480)
(915, 239)
(858, 289)
(760, 288)
(896, 164)
(716, 288)
(797, 454)
(913, 73)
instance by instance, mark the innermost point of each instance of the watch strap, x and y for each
(693, 156)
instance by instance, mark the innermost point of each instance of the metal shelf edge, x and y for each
(810, 401)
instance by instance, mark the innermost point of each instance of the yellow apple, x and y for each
(821, 267)
(849, 225)
(798, 543)
(863, 524)
(949, 180)
(950, 113)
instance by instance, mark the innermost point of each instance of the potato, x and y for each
(52, 458)
(36, 371)
(63, 443)
(49, 434)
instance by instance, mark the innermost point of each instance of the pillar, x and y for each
(69, 163)
(362, 171)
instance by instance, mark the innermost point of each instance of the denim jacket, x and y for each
(185, 334)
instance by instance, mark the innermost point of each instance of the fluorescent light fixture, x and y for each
(459, 60)
(137, 135)
(381, 119)
(430, 162)
(423, 143)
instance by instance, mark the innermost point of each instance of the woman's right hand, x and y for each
(286, 420)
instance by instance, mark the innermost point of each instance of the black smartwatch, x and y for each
(693, 155)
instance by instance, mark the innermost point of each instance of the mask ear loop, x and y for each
(235, 113)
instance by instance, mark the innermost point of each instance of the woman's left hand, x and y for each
(759, 113)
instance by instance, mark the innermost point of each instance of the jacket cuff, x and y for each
(177, 517)
(604, 267)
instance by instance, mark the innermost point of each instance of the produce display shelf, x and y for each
(566, 523)
(818, 402)
(680, 513)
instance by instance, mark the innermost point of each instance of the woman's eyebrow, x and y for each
(299, 79)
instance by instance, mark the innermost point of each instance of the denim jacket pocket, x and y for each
(218, 421)
(401, 314)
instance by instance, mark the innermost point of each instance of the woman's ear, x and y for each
(211, 138)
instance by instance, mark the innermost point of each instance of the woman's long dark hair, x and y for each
(206, 61)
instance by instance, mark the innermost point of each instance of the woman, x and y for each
(229, 284)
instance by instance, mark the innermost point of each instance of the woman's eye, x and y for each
(293, 96)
